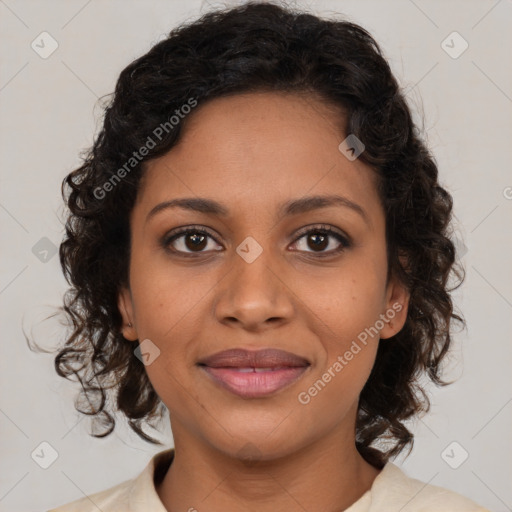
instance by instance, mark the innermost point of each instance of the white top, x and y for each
(392, 490)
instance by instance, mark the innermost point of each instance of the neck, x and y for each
(328, 476)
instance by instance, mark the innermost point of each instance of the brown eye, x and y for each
(318, 241)
(188, 241)
(195, 241)
(320, 238)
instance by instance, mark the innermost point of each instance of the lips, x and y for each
(254, 374)
(240, 358)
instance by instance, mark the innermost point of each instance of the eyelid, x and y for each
(194, 227)
(322, 227)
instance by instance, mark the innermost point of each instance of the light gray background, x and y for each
(48, 115)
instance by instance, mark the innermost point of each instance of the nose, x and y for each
(254, 296)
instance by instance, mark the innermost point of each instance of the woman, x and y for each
(257, 243)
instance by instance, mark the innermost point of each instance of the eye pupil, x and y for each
(319, 241)
(198, 241)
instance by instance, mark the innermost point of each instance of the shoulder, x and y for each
(136, 495)
(110, 500)
(393, 488)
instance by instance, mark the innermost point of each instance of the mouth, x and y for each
(254, 374)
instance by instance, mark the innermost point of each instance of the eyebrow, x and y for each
(292, 207)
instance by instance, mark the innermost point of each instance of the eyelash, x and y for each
(320, 229)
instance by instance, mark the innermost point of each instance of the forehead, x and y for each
(257, 150)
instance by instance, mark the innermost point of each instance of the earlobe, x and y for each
(397, 305)
(125, 306)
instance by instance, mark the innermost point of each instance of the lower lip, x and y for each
(255, 384)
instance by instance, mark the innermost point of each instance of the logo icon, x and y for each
(44, 250)
(351, 147)
(454, 455)
(454, 45)
(147, 352)
(44, 455)
(249, 249)
(44, 45)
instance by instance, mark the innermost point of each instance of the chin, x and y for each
(257, 450)
(256, 440)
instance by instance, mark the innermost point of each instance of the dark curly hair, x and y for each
(258, 46)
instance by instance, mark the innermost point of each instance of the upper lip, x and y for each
(242, 358)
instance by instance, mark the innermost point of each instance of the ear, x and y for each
(396, 307)
(125, 305)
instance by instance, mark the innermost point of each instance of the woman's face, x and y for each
(265, 275)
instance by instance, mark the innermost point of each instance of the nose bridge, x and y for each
(253, 291)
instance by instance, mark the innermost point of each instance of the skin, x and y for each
(252, 152)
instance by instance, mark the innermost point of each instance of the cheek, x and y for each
(336, 391)
(349, 300)
(346, 314)
(166, 309)
(164, 299)
(346, 311)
